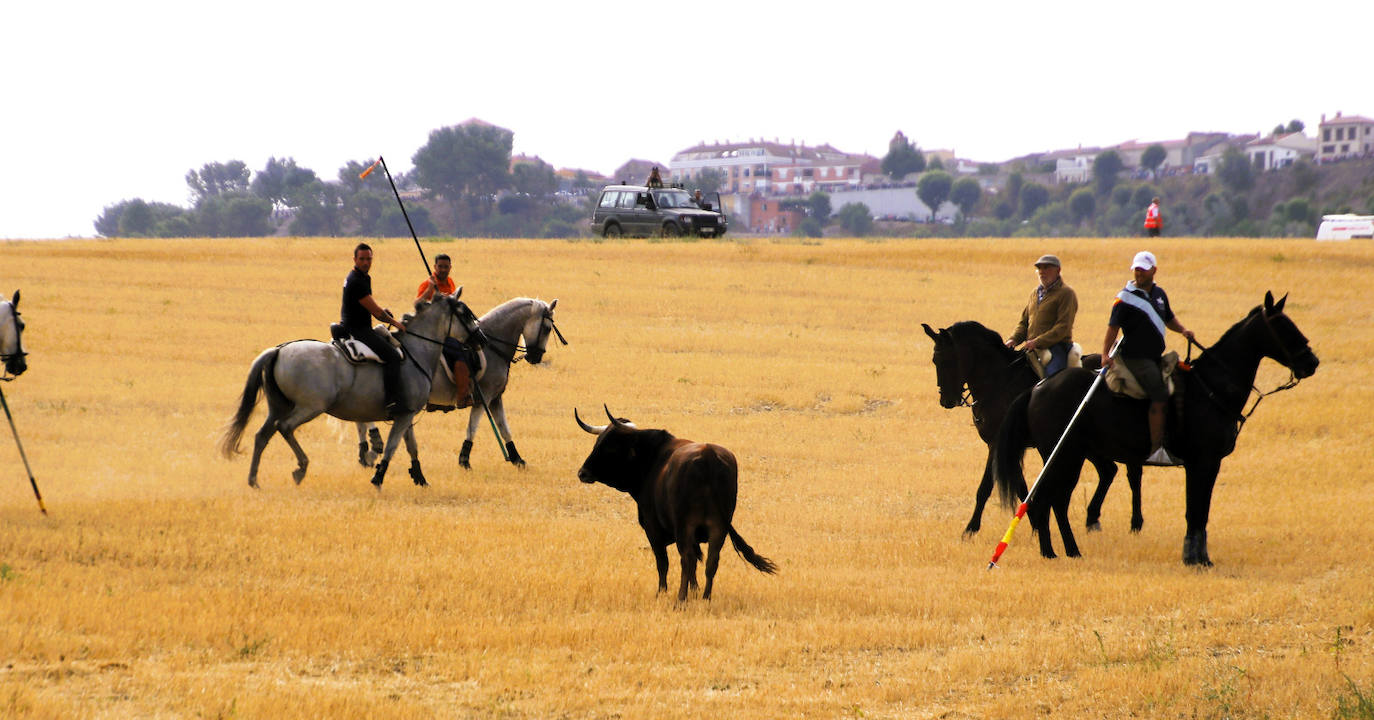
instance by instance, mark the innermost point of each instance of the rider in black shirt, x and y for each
(356, 315)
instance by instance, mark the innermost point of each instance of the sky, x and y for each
(103, 102)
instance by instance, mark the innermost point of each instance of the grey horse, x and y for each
(503, 326)
(305, 378)
(12, 337)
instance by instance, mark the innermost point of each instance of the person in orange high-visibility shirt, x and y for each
(439, 281)
(1153, 221)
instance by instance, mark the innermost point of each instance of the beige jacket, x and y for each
(1048, 321)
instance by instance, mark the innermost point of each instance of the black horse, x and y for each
(969, 354)
(1215, 391)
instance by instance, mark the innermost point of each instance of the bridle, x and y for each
(1260, 395)
(539, 342)
(18, 353)
(475, 328)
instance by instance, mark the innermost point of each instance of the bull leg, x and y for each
(1106, 472)
(984, 491)
(687, 552)
(712, 559)
(661, 561)
(414, 449)
(498, 409)
(1202, 479)
(1133, 472)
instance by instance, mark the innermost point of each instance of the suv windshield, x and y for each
(673, 199)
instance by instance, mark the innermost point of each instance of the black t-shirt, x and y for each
(352, 314)
(1143, 329)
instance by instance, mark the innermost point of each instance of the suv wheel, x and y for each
(670, 230)
(612, 231)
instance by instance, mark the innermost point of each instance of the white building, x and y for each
(1278, 151)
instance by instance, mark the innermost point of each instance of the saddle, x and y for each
(1121, 382)
(355, 352)
(1040, 358)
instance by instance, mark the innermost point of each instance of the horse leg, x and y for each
(1039, 516)
(1202, 479)
(474, 419)
(393, 440)
(1106, 472)
(1133, 472)
(713, 558)
(1060, 506)
(264, 434)
(414, 449)
(366, 432)
(287, 427)
(498, 408)
(975, 523)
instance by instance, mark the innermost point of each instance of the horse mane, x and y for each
(508, 307)
(1236, 329)
(974, 332)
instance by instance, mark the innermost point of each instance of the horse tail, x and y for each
(760, 563)
(1012, 441)
(260, 372)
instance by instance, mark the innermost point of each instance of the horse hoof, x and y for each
(1136, 526)
(518, 462)
(1094, 527)
(298, 475)
(253, 483)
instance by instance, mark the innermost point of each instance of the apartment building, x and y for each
(1344, 136)
(760, 166)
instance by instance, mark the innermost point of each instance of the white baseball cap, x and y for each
(1144, 260)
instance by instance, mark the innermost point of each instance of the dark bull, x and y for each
(685, 492)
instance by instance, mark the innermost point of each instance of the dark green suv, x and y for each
(667, 212)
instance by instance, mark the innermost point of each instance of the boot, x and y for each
(1158, 455)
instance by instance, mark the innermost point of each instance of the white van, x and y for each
(1345, 227)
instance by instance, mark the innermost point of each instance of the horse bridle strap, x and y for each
(1244, 415)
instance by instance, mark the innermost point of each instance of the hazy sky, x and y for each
(101, 102)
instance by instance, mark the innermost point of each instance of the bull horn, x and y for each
(589, 428)
(618, 422)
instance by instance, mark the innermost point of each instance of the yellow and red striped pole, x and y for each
(1021, 510)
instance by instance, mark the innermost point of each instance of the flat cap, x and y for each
(1048, 260)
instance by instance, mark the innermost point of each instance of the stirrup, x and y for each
(1163, 458)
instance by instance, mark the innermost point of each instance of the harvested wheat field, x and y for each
(162, 586)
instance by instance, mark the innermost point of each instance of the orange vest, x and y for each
(446, 287)
(1152, 217)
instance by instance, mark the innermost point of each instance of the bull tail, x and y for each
(760, 563)
(1012, 440)
(258, 374)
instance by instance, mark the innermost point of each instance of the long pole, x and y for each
(1021, 509)
(477, 392)
(363, 176)
(33, 483)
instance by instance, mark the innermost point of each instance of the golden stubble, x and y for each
(162, 586)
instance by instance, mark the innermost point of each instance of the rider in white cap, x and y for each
(1142, 312)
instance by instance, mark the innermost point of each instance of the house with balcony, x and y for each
(1344, 137)
(769, 167)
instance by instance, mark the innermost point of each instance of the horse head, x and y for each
(1283, 342)
(538, 326)
(449, 309)
(12, 337)
(947, 375)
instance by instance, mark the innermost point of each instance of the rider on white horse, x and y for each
(356, 315)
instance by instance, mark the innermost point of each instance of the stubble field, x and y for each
(163, 586)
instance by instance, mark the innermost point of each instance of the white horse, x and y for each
(305, 378)
(12, 337)
(503, 326)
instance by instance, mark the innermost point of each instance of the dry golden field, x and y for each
(162, 586)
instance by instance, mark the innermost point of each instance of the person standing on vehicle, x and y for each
(698, 199)
(1154, 222)
(356, 315)
(654, 180)
(1142, 312)
(1047, 320)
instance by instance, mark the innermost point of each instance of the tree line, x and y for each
(462, 184)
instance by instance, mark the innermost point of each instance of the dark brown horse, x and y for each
(1215, 391)
(968, 355)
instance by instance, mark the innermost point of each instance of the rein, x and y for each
(516, 347)
(1241, 417)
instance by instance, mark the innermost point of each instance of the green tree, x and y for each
(709, 180)
(1235, 171)
(1106, 166)
(1304, 177)
(583, 184)
(935, 163)
(1033, 197)
(237, 214)
(1082, 203)
(107, 223)
(534, 178)
(902, 158)
(137, 220)
(465, 162)
(966, 192)
(393, 222)
(808, 227)
(1143, 195)
(856, 219)
(933, 189)
(1013, 191)
(1153, 157)
(1295, 126)
(818, 207)
(218, 178)
(350, 183)
(283, 183)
